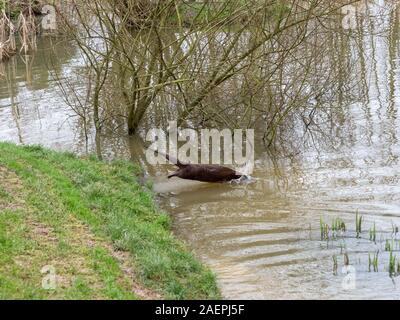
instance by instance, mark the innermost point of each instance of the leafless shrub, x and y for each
(232, 63)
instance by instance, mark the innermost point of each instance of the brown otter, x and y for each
(203, 172)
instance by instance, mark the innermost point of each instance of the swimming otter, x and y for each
(203, 172)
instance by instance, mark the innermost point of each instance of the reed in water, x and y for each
(7, 38)
(17, 18)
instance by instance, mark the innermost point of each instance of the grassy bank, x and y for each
(93, 224)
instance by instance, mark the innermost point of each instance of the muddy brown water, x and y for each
(262, 238)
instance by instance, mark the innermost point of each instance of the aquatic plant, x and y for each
(398, 267)
(346, 259)
(373, 262)
(324, 228)
(395, 229)
(369, 262)
(389, 245)
(338, 225)
(335, 265)
(392, 264)
(372, 233)
(359, 219)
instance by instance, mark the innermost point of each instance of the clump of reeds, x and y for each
(27, 30)
(324, 228)
(338, 226)
(7, 37)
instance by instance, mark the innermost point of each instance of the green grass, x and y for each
(76, 198)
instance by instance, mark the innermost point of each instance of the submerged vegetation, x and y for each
(390, 245)
(95, 225)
